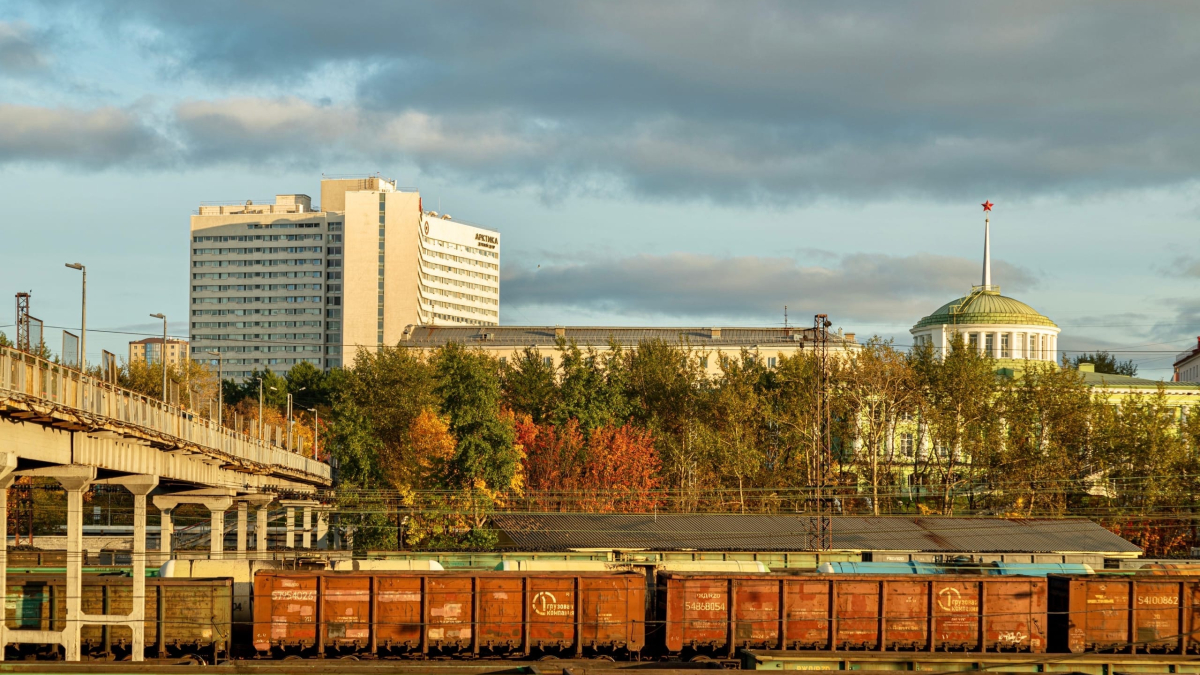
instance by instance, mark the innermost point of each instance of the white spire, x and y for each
(987, 245)
(987, 253)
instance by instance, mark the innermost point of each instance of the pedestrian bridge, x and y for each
(51, 414)
(56, 422)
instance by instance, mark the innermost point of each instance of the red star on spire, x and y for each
(987, 205)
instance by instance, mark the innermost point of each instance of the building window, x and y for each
(504, 360)
(1044, 351)
(1005, 346)
(989, 344)
(906, 445)
(770, 361)
(703, 361)
(548, 361)
(973, 341)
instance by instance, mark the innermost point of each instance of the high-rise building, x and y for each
(153, 350)
(273, 285)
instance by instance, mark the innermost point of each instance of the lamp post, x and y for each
(162, 354)
(316, 433)
(83, 322)
(289, 417)
(220, 391)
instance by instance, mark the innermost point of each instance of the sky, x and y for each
(647, 163)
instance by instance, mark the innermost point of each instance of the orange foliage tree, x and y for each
(615, 469)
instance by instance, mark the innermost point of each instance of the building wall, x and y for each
(257, 287)
(1019, 336)
(367, 265)
(151, 350)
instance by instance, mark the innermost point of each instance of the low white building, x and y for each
(1187, 365)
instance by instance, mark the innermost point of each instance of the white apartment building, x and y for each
(274, 285)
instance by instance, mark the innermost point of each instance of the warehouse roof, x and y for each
(599, 336)
(735, 532)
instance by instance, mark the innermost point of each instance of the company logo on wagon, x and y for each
(545, 604)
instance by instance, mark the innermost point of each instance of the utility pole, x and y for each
(162, 353)
(289, 418)
(220, 391)
(83, 321)
(260, 408)
(821, 533)
(316, 434)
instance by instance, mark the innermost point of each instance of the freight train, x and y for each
(701, 616)
(622, 613)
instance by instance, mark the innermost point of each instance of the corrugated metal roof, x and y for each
(545, 336)
(735, 532)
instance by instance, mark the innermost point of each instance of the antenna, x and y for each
(785, 316)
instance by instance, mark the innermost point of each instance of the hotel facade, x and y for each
(274, 285)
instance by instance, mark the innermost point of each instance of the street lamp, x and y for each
(220, 391)
(316, 434)
(289, 418)
(83, 323)
(162, 353)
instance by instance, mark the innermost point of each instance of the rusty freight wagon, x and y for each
(704, 614)
(466, 614)
(183, 616)
(1136, 614)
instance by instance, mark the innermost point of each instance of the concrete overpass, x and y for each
(56, 422)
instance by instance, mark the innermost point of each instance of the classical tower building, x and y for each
(993, 323)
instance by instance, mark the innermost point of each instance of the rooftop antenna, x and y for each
(785, 316)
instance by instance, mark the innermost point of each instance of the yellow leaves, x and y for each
(432, 443)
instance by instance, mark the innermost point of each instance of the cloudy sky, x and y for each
(656, 163)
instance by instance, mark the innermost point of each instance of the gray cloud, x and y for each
(864, 287)
(766, 100)
(1182, 266)
(19, 52)
(96, 138)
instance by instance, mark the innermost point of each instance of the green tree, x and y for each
(1047, 413)
(591, 387)
(877, 388)
(309, 385)
(1104, 362)
(468, 384)
(959, 391)
(528, 385)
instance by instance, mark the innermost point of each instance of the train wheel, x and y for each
(548, 657)
(603, 657)
(193, 660)
(293, 657)
(700, 658)
(349, 657)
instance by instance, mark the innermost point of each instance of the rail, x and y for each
(23, 374)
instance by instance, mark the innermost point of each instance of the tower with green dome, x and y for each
(1012, 331)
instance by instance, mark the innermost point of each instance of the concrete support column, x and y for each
(307, 537)
(290, 522)
(242, 508)
(322, 528)
(74, 478)
(216, 533)
(140, 487)
(260, 528)
(166, 529)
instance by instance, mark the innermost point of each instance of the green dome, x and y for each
(985, 307)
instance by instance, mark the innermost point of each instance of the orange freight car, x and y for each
(718, 614)
(1130, 614)
(449, 613)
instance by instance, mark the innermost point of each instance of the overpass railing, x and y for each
(28, 375)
